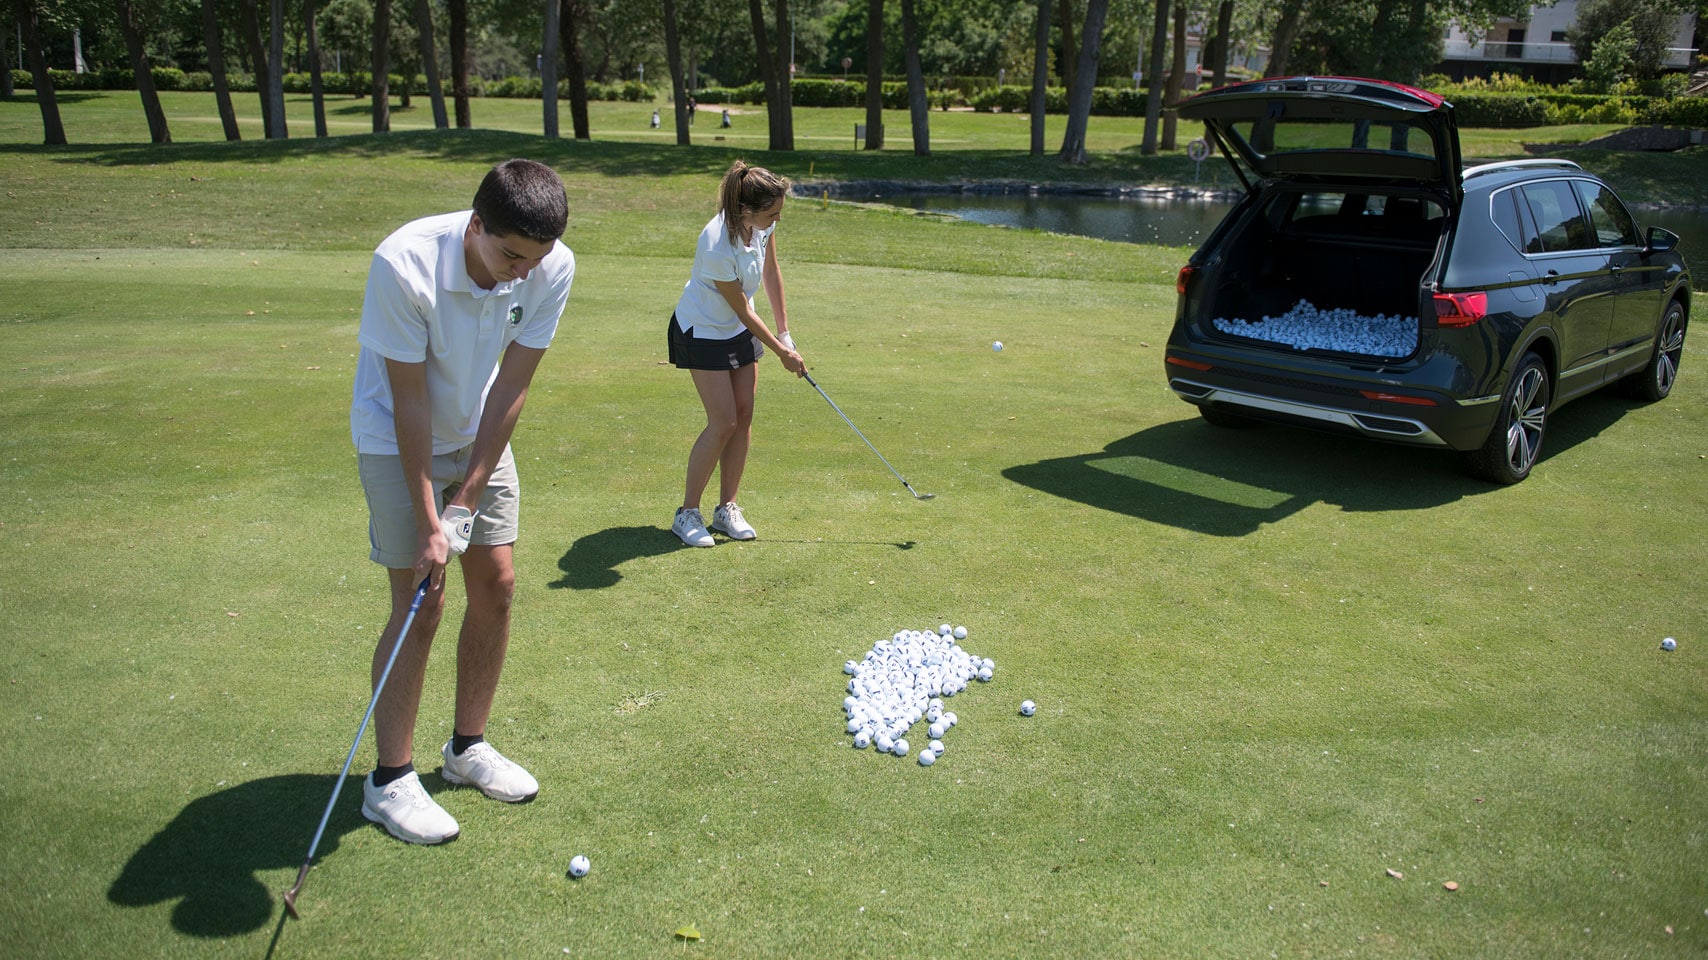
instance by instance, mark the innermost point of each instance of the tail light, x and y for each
(1183, 279)
(1382, 396)
(1460, 309)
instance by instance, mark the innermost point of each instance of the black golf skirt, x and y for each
(697, 353)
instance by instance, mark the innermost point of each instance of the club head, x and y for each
(291, 903)
(925, 496)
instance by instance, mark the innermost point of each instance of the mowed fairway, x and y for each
(1289, 686)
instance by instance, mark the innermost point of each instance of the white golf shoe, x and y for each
(482, 767)
(405, 810)
(691, 527)
(727, 518)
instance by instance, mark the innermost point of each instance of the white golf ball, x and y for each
(1027, 708)
(1669, 644)
(937, 729)
(945, 630)
(850, 667)
(960, 633)
(985, 673)
(578, 866)
(862, 740)
(949, 719)
(885, 744)
(900, 749)
(935, 746)
(927, 758)
(997, 346)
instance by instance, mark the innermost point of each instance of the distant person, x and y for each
(459, 309)
(725, 124)
(655, 119)
(692, 106)
(716, 336)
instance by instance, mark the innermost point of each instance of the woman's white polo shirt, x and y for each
(702, 311)
(421, 306)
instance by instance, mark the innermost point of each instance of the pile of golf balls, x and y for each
(906, 679)
(1308, 327)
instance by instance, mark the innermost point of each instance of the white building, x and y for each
(1536, 46)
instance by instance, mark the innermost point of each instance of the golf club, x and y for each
(414, 605)
(916, 494)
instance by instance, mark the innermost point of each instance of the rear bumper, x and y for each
(1413, 415)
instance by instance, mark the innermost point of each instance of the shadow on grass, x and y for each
(591, 563)
(208, 856)
(1229, 483)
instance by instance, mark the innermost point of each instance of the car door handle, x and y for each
(1550, 277)
(1615, 269)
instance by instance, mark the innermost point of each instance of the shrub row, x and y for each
(355, 82)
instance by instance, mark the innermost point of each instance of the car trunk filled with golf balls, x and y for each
(1319, 270)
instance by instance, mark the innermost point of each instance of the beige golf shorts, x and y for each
(391, 517)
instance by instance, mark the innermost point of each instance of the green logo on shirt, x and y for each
(515, 314)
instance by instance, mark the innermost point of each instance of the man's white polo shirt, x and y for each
(420, 305)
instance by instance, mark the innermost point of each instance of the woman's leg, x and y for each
(718, 395)
(744, 383)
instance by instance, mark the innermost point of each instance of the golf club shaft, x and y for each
(397, 645)
(857, 433)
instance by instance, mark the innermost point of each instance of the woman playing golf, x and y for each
(717, 336)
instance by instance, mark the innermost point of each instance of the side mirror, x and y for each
(1660, 240)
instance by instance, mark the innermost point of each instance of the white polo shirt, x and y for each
(420, 305)
(702, 311)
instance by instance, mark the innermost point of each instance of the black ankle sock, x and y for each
(385, 775)
(459, 743)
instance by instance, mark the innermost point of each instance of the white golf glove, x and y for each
(458, 524)
(788, 341)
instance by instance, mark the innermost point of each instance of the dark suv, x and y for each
(1366, 284)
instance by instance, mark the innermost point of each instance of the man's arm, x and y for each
(498, 420)
(412, 417)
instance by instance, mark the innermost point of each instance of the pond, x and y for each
(1171, 221)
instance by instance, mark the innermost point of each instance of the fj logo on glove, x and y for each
(515, 314)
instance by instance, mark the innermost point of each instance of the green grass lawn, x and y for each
(1271, 667)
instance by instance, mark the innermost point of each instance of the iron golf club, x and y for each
(414, 605)
(916, 494)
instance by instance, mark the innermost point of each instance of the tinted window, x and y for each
(1503, 209)
(1560, 223)
(1611, 221)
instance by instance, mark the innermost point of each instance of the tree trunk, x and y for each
(1079, 96)
(1176, 77)
(53, 131)
(678, 87)
(380, 63)
(1153, 98)
(548, 66)
(874, 74)
(6, 86)
(276, 73)
(251, 26)
(1041, 76)
(316, 87)
(784, 108)
(571, 14)
(767, 66)
(430, 62)
(1224, 26)
(157, 131)
(458, 11)
(1070, 52)
(918, 108)
(216, 68)
(1281, 41)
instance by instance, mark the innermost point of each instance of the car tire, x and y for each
(1515, 443)
(1655, 380)
(1216, 416)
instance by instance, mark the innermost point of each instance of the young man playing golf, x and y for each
(459, 309)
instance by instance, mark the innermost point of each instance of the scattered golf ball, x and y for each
(1027, 708)
(960, 633)
(901, 747)
(1669, 644)
(578, 866)
(997, 346)
(945, 630)
(927, 758)
(935, 746)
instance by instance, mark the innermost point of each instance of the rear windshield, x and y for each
(1291, 137)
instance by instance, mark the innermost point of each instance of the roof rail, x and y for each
(1516, 165)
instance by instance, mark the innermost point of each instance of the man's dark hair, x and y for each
(522, 197)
